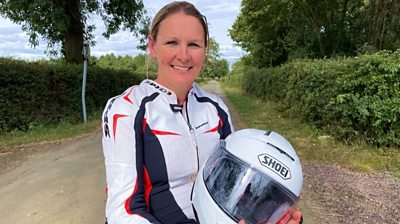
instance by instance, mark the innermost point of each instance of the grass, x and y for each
(41, 133)
(309, 144)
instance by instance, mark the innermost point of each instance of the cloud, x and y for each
(122, 43)
(231, 53)
(220, 15)
(222, 8)
(14, 43)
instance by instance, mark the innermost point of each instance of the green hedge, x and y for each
(46, 93)
(351, 98)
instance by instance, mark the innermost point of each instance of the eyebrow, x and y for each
(199, 42)
(167, 38)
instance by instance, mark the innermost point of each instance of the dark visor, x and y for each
(246, 193)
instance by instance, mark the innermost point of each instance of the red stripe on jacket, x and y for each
(115, 120)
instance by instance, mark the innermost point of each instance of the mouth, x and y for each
(181, 68)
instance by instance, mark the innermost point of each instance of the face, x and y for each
(180, 51)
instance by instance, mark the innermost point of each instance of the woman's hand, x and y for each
(295, 218)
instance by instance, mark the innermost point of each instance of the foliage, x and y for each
(275, 31)
(68, 22)
(214, 65)
(383, 24)
(42, 92)
(350, 98)
(368, 99)
(216, 69)
(112, 61)
(260, 29)
(142, 64)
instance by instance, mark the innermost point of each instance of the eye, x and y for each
(194, 45)
(171, 42)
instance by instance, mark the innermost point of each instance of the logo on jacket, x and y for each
(105, 119)
(201, 125)
(275, 165)
(161, 89)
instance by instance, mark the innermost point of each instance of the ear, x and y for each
(151, 44)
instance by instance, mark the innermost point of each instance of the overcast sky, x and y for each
(220, 15)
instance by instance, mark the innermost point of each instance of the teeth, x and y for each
(181, 68)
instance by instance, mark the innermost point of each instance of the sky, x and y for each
(220, 15)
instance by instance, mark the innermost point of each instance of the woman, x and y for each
(157, 135)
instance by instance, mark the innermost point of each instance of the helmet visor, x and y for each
(244, 192)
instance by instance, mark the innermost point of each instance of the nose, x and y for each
(183, 54)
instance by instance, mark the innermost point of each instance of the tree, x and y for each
(274, 31)
(67, 22)
(384, 24)
(336, 25)
(260, 29)
(221, 68)
(214, 66)
(344, 27)
(116, 62)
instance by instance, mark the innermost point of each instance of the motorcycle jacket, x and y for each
(153, 149)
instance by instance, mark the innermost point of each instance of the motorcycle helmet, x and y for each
(254, 175)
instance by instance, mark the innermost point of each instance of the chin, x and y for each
(185, 78)
(187, 81)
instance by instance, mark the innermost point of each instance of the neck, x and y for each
(181, 94)
(179, 90)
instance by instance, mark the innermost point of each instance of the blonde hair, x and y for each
(176, 7)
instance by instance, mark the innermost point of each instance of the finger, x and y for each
(242, 222)
(295, 217)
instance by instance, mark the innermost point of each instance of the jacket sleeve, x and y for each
(227, 126)
(125, 184)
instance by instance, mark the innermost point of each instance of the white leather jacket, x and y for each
(153, 149)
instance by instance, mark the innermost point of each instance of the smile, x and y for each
(181, 68)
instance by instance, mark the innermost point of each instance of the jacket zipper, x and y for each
(192, 135)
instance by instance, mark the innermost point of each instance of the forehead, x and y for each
(181, 24)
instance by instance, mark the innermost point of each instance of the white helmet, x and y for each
(255, 176)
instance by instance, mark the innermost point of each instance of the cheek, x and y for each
(200, 57)
(165, 57)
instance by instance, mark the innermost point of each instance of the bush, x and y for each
(351, 98)
(367, 103)
(47, 93)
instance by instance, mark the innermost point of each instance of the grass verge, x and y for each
(311, 146)
(41, 133)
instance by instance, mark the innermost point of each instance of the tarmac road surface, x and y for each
(63, 185)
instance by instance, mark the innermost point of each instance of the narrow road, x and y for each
(63, 185)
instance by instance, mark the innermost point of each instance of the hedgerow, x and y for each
(350, 98)
(47, 93)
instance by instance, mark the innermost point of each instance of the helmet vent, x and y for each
(280, 150)
(267, 133)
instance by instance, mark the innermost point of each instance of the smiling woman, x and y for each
(158, 134)
(179, 45)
